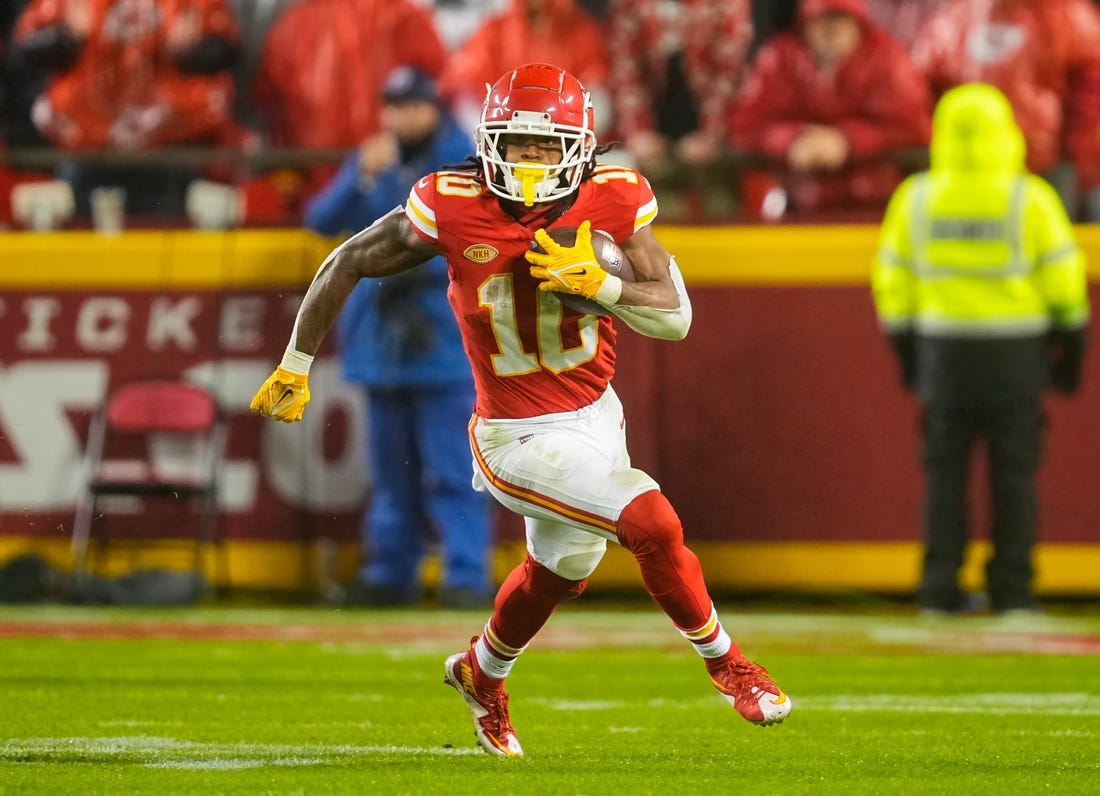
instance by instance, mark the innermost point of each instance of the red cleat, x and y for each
(492, 724)
(748, 687)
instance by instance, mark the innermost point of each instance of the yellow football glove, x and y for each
(568, 269)
(283, 396)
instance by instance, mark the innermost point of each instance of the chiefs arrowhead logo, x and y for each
(480, 253)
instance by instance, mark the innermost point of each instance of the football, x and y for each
(608, 254)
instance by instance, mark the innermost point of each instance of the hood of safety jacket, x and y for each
(974, 130)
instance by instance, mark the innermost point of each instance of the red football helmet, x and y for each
(543, 100)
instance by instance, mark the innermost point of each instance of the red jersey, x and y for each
(529, 353)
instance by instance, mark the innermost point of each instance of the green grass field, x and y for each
(605, 702)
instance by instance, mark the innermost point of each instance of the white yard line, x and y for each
(1001, 704)
(160, 752)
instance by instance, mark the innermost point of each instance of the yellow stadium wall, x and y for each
(777, 427)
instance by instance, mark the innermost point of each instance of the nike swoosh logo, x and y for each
(287, 393)
(782, 699)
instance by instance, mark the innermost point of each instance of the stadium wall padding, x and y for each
(777, 428)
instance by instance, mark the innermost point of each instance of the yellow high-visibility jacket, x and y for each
(976, 246)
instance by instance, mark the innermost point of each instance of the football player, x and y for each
(547, 431)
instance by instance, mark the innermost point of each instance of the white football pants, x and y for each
(568, 474)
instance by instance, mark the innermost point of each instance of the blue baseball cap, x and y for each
(409, 84)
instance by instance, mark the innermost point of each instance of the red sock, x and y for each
(524, 603)
(650, 529)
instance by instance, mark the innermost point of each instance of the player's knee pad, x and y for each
(575, 565)
(563, 549)
(578, 566)
(649, 521)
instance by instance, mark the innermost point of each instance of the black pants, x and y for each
(1013, 433)
(151, 192)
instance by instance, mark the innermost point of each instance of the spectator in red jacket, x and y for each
(1045, 56)
(675, 70)
(132, 75)
(324, 62)
(528, 31)
(829, 106)
(318, 83)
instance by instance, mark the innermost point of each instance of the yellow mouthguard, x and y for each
(529, 174)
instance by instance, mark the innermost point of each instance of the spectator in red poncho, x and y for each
(324, 62)
(1045, 56)
(318, 83)
(528, 31)
(828, 107)
(675, 70)
(132, 75)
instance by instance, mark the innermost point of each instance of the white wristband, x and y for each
(610, 291)
(297, 362)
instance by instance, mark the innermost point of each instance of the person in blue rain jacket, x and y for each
(398, 339)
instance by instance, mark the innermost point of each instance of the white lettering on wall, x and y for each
(170, 322)
(40, 312)
(101, 324)
(241, 323)
(234, 382)
(48, 473)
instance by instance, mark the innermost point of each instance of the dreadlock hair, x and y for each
(471, 163)
(599, 149)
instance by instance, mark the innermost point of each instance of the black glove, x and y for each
(905, 346)
(1065, 356)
